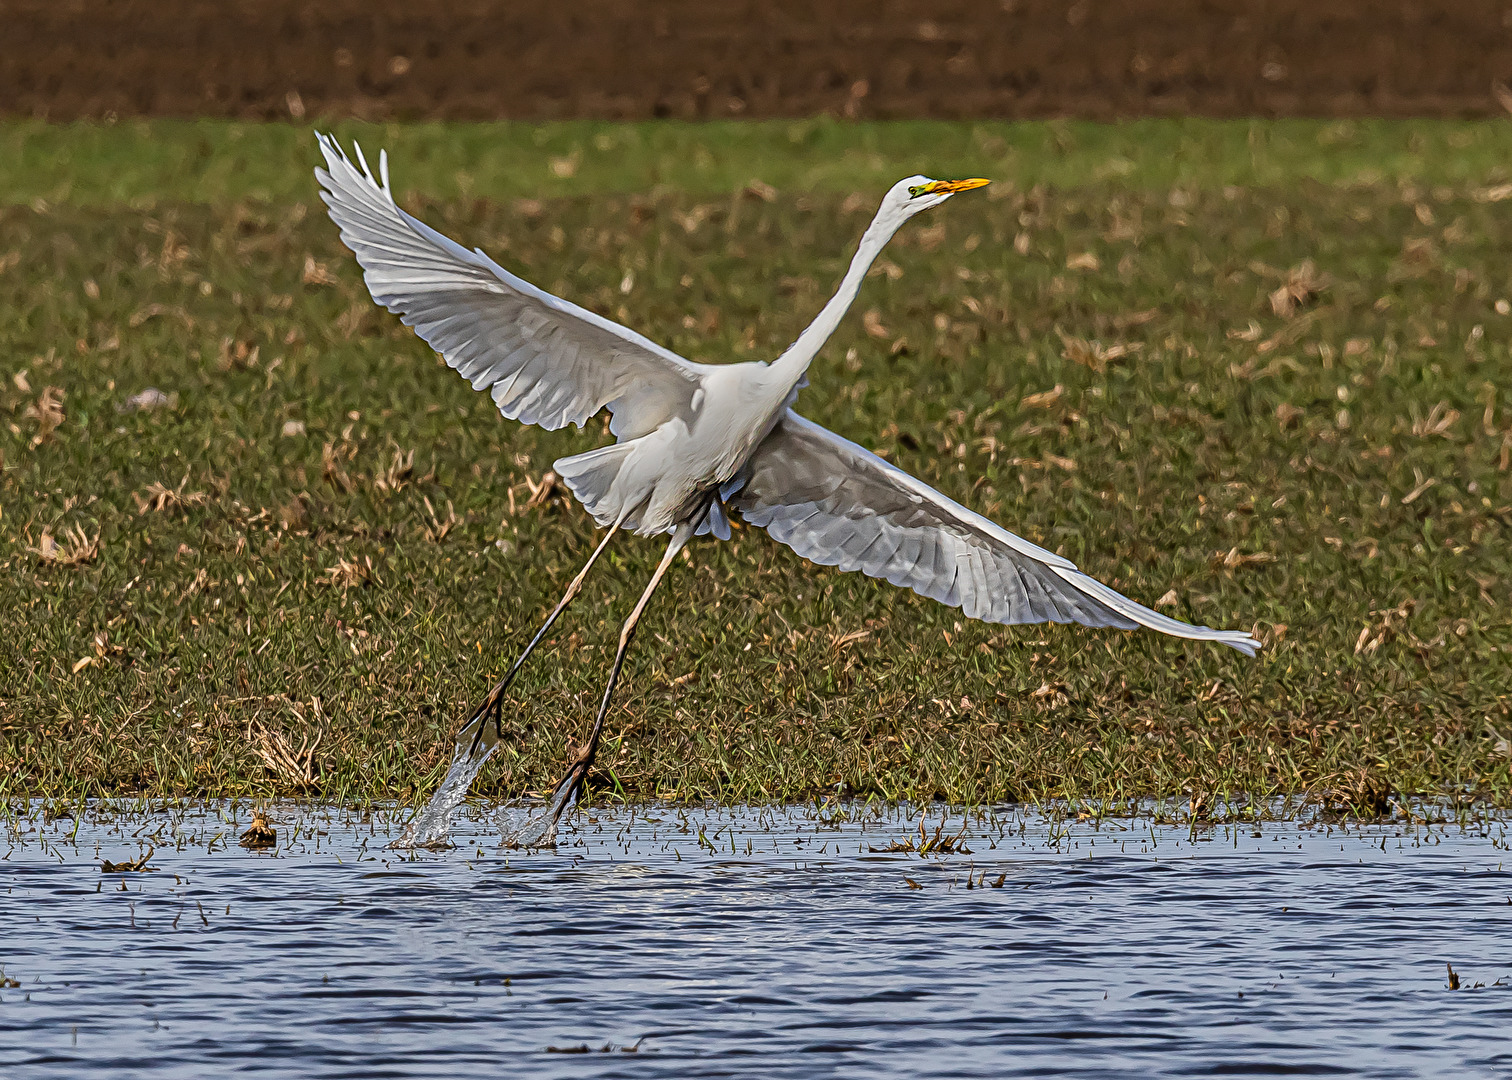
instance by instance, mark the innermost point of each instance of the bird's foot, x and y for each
(475, 742)
(484, 729)
(538, 829)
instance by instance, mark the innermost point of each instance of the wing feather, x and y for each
(556, 363)
(838, 504)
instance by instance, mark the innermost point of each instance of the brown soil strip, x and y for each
(757, 58)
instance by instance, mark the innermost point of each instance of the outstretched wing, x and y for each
(838, 504)
(544, 360)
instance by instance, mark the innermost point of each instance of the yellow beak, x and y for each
(951, 187)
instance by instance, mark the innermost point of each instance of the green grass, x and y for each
(168, 162)
(194, 258)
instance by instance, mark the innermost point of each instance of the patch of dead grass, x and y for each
(76, 547)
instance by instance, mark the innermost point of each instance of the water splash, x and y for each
(428, 828)
(534, 829)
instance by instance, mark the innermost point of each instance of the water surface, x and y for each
(754, 942)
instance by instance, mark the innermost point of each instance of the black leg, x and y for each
(563, 793)
(493, 705)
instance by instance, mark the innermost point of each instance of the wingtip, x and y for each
(1243, 643)
(331, 150)
(1153, 620)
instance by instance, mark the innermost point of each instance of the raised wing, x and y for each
(544, 360)
(838, 504)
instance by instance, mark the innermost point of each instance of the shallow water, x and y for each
(788, 950)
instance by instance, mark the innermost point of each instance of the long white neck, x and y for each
(791, 365)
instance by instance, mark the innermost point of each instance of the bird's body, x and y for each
(698, 442)
(669, 475)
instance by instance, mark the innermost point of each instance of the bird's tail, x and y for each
(590, 477)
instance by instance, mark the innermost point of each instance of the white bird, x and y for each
(698, 442)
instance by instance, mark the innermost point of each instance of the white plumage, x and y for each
(694, 441)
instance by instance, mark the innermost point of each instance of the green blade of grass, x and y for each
(151, 162)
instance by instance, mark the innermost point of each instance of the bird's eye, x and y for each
(917, 190)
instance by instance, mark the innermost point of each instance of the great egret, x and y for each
(696, 442)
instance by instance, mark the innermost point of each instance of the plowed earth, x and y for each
(626, 60)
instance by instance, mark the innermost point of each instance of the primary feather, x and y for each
(544, 360)
(838, 504)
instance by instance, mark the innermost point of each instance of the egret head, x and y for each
(914, 193)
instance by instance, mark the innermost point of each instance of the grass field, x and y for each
(1258, 372)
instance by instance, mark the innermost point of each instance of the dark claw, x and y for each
(492, 710)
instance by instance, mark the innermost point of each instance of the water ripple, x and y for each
(787, 951)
